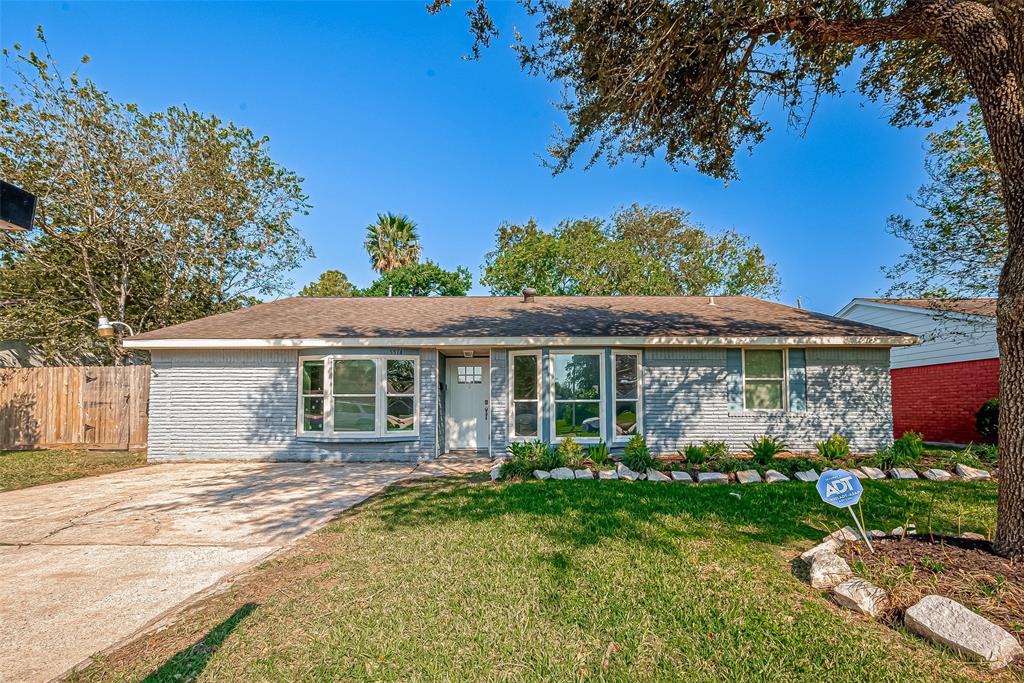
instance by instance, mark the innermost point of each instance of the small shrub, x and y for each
(694, 455)
(637, 456)
(730, 464)
(599, 455)
(909, 447)
(571, 453)
(527, 456)
(790, 466)
(715, 450)
(764, 448)
(834, 449)
(986, 420)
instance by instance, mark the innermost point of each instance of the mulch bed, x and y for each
(960, 569)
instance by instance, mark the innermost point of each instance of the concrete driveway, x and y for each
(88, 563)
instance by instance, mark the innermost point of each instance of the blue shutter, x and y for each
(734, 378)
(797, 380)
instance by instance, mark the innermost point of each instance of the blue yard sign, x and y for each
(843, 490)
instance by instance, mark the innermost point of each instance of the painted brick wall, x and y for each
(241, 405)
(940, 401)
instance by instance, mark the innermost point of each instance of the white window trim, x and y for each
(601, 400)
(616, 438)
(785, 382)
(512, 436)
(381, 397)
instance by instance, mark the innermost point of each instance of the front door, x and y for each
(468, 413)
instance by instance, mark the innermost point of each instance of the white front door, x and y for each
(469, 392)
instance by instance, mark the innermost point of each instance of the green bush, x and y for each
(637, 456)
(980, 456)
(527, 456)
(715, 450)
(790, 466)
(764, 448)
(986, 420)
(730, 464)
(905, 451)
(694, 454)
(571, 453)
(834, 448)
(599, 455)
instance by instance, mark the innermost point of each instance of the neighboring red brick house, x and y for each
(938, 385)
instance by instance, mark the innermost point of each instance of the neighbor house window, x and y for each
(627, 394)
(764, 379)
(577, 394)
(369, 395)
(525, 383)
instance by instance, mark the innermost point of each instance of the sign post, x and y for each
(842, 489)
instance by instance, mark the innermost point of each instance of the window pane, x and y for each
(313, 377)
(524, 422)
(401, 376)
(355, 414)
(577, 419)
(524, 377)
(764, 394)
(764, 364)
(577, 375)
(625, 376)
(625, 418)
(355, 377)
(401, 417)
(470, 374)
(313, 414)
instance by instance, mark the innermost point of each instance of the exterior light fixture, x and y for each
(106, 327)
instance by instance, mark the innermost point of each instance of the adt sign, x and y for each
(839, 488)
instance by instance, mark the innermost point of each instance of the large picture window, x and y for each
(764, 379)
(577, 394)
(369, 396)
(525, 383)
(627, 394)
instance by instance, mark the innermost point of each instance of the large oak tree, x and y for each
(687, 78)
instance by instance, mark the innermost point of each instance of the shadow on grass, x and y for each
(189, 663)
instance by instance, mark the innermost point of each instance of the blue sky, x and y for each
(374, 106)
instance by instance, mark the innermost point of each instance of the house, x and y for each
(410, 378)
(938, 386)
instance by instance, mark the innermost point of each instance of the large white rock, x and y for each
(607, 474)
(873, 472)
(583, 474)
(971, 473)
(857, 472)
(861, 596)
(655, 475)
(496, 471)
(562, 473)
(937, 475)
(807, 475)
(948, 622)
(626, 473)
(828, 570)
(542, 474)
(682, 476)
(748, 477)
(845, 535)
(902, 473)
(829, 545)
(774, 476)
(973, 536)
(712, 478)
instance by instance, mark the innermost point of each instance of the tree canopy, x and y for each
(392, 242)
(420, 279)
(331, 283)
(639, 251)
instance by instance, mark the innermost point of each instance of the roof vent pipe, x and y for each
(528, 295)
(711, 301)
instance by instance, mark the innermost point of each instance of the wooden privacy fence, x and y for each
(95, 407)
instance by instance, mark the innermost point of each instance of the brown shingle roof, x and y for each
(986, 307)
(471, 317)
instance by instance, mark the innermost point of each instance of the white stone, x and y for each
(655, 475)
(626, 473)
(682, 476)
(861, 596)
(946, 621)
(562, 473)
(971, 473)
(972, 536)
(712, 478)
(541, 474)
(902, 473)
(900, 532)
(496, 471)
(857, 472)
(937, 475)
(607, 474)
(748, 477)
(774, 476)
(845, 535)
(829, 545)
(873, 472)
(584, 474)
(828, 570)
(876, 533)
(807, 475)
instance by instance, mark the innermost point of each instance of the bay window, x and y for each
(764, 379)
(525, 405)
(576, 386)
(626, 366)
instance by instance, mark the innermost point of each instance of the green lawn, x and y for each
(20, 469)
(580, 580)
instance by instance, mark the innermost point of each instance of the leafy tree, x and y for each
(152, 219)
(687, 79)
(331, 283)
(392, 242)
(420, 279)
(958, 248)
(640, 251)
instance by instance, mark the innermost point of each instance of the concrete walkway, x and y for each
(86, 564)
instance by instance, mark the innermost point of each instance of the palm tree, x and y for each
(392, 242)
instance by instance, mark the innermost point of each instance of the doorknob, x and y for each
(487, 407)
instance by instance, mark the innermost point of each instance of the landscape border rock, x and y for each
(712, 478)
(861, 596)
(946, 621)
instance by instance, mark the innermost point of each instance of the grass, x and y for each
(21, 469)
(577, 580)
